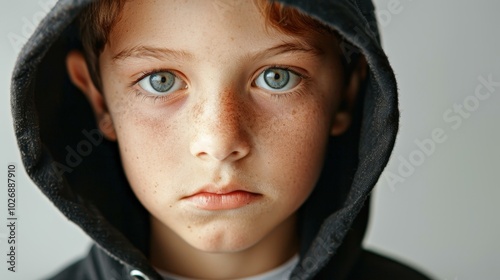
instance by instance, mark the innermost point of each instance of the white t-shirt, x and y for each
(282, 272)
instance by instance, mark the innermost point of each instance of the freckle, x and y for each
(198, 110)
(170, 206)
(233, 109)
(189, 226)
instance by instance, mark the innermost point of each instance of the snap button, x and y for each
(138, 275)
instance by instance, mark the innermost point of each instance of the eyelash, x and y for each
(298, 90)
(151, 97)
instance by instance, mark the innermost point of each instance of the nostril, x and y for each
(235, 154)
(202, 155)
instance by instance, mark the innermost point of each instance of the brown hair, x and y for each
(97, 20)
(292, 21)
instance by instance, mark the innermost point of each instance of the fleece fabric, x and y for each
(80, 172)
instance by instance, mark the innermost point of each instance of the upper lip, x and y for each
(221, 190)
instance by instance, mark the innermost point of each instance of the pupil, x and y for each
(162, 82)
(276, 78)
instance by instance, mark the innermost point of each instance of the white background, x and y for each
(442, 218)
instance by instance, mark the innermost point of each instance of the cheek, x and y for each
(149, 149)
(294, 145)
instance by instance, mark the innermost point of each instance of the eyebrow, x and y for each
(171, 54)
(289, 47)
(152, 52)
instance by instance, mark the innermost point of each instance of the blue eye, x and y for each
(161, 83)
(277, 79)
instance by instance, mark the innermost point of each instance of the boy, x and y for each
(234, 143)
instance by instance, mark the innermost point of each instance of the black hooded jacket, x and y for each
(88, 185)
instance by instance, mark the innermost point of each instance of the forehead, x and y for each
(199, 27)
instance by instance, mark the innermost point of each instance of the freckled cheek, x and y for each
(294, 145)
(148, 148)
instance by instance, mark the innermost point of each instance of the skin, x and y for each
(219, 128)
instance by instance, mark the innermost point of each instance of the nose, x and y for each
(220, 130)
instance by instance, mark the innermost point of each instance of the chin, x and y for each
(223, 241)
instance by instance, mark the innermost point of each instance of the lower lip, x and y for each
(213, 201)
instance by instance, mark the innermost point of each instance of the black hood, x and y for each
(81, 173)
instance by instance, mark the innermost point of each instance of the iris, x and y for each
(162, 82)
(276, 78)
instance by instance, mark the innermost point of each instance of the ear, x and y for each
(343, 117)
(80, 76)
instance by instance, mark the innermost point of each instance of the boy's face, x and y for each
(220, 151)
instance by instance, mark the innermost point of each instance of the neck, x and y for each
(171, 253)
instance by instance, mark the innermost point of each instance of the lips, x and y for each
(221, 200)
